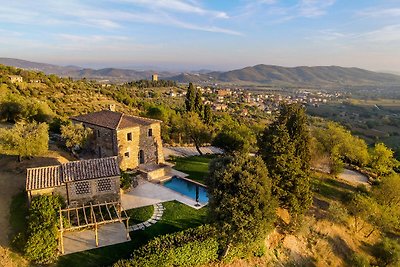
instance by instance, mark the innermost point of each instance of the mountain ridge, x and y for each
(258, 74)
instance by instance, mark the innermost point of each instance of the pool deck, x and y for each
(148, 193)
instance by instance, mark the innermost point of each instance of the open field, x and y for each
(372, 120)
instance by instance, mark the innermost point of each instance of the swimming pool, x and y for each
(187, 188)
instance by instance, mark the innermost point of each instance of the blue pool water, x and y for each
(187, 188)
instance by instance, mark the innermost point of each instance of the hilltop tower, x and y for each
(154, 77)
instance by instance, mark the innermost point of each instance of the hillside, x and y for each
(303, 76)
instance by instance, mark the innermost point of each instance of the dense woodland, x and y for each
(245, 191)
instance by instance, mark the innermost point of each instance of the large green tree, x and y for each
(284, 147)
(240, 200)
(340, 145)
(382, 160)
(195, 130)
(233, 136)
(25, 139)
(75, 135)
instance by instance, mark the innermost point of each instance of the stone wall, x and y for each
(151, 145)
(128, 150)
(103, 142)
(59, 190)
(95, 190)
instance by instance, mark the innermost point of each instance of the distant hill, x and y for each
(259, 74)
(308, 76)
(46, 68)
(111, 74)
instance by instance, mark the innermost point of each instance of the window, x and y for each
(150, 132)
(104, 185)
(98, 133)
(127, 154)
(82, 188)
(129, 136)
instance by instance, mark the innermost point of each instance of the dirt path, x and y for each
(353, 177)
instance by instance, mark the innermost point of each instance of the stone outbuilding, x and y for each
(135, 140)
(78, 182)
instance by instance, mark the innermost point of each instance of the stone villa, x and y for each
(78, 182)
(134, 140)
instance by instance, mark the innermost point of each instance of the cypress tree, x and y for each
(190, 98)
(284, 148)
(198, 103)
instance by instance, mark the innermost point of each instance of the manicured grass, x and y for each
(176, 217)
(196, 166)
(140, 215)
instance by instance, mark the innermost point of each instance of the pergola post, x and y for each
(61, 241)
(96, 235)
(127, 228)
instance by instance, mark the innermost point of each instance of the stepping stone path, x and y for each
(157, 215)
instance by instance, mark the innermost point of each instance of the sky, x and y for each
(195, 34)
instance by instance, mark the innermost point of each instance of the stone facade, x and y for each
(103, 142)
(134, 140)
(94, 190)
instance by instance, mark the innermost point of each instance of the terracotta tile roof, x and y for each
(90, 169)
(131, 121)
(104, 118)
(43, 177)
(113, 120)
(52, 176)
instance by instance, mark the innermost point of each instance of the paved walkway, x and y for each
(184, 151)
(147, 193)
(353, 177)
(157, 214)
(109, 234)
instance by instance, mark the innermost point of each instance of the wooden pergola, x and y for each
(92, 215)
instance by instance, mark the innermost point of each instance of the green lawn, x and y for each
(196, 166)
(140, 215)
(177, 217)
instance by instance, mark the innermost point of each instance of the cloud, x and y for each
(313, 8)
(280, 12)
(386, 34)
(175, 13)
(376, 13)
(178, 6)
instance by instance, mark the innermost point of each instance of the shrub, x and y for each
(359, 260)
(41, 244)
(388, 252)
(191, 247)
(337, 213)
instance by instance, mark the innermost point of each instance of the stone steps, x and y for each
(157, 216)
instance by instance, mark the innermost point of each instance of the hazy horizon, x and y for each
(183, 35)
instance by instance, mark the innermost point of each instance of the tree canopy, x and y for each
(25, 139)
(240, 200)
(75, 135)
(340, 145)
(284, 147)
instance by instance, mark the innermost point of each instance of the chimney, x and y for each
(111, 107)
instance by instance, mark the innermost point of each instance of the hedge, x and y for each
(41, 245)
(191, 247)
